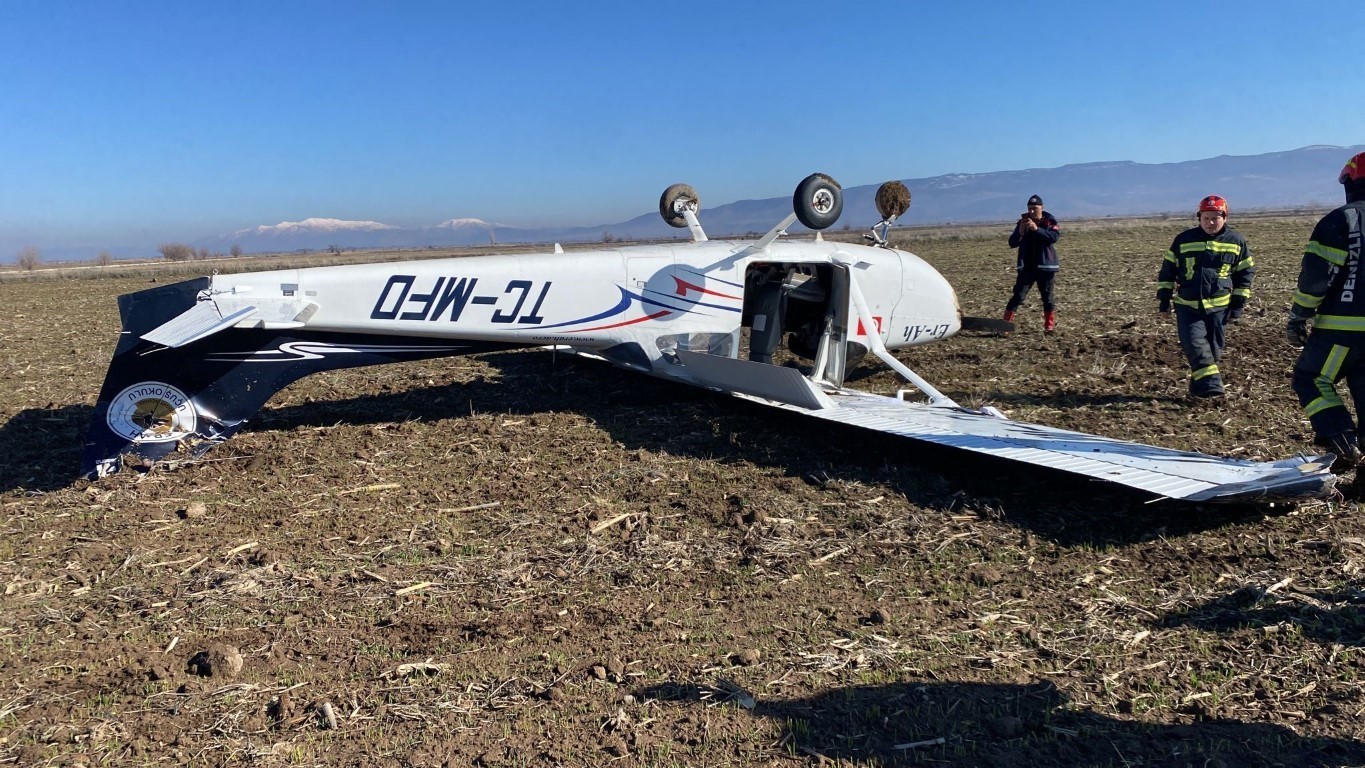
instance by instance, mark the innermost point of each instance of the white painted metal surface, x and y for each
(203, 319)
(1161, 471)
(767, 382)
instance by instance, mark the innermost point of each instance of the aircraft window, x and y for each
(805, 288)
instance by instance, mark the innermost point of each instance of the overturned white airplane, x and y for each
(197, 359)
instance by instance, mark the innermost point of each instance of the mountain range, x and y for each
(1297, 178)
(1300, 177)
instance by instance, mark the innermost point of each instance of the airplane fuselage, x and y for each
(657, 297)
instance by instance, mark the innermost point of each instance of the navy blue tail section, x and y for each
(157, 400)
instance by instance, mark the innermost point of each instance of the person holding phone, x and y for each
(1035, 236)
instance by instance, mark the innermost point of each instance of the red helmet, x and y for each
(1214, 203)
(1354, 170)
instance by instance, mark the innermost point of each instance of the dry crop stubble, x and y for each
(518, 560)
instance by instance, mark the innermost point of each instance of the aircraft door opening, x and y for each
(807, 306)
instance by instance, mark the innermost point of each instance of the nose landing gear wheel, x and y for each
(672, 202)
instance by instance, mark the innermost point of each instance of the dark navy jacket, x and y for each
(1036, 249)
(1330, 280)
(1206, 272)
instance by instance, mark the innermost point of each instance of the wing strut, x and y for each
(874, 340)
(689, 214)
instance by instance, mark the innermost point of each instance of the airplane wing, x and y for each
(1161, 471)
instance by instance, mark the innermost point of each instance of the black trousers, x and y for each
(1327, 358)
(1025, 280)
(1201, 337)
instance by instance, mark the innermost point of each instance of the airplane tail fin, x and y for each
(159, 399)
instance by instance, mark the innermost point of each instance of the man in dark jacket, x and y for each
(1331, 294)
(1034, 236)
(1207, 273)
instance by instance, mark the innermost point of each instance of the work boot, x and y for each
(1346, 448)
(1049, 321)
(1207, 388)
(1009, 318)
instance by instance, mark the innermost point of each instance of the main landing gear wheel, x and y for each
(672, 202)
(818, 201)
(893, 200)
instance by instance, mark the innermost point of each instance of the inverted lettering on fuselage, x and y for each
(925, 332)
(448, 298)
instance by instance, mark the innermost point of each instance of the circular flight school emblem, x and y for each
(151, 412)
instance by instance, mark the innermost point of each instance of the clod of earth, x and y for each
(219, 660)
(1006, 727)
(193, 511)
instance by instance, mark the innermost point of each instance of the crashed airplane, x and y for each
(196, 360)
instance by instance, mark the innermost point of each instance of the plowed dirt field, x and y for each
(520, 559)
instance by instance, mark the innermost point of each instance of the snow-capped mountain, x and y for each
(466, 223)
(311, 226)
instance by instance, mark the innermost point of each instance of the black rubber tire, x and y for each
(671, 196)
(818, 201)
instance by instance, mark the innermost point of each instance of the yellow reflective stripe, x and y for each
(1323, 403)
(1331, 367)
(1211, 245)
(1325, 381)
(1206, 304)
(1169, 257)
(1339, 323)
(1307, 300)
(1243, 292)
(1204, 373)
(1326, 252)
(1166, 285)
(1246, 263)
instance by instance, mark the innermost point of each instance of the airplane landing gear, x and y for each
(818, 201)
(674, 200)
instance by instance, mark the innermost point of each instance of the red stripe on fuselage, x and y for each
(660, 313)
(682, 285)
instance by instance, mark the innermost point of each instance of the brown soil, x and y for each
(524, 560)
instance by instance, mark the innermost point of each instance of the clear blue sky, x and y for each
(137, 123)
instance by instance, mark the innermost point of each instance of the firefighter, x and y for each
(1329, 293)
(1207, 274)
(1035, 235)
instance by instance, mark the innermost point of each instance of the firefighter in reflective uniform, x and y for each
(1207, 274)
(1331, 294)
